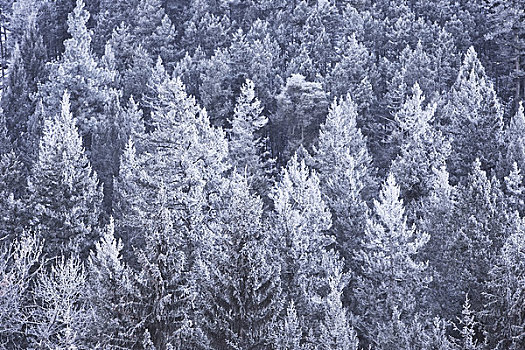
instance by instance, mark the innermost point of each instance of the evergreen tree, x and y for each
(504, 294)
(437, 219)
(393, 278)
(481, 225)
(514, 141)
(79, 72)
(216, 91)
(59, 318)
(336, 333)
(109, 293)
(514, 190)
(289, 331)
(153, 30)
(111, 15)
(301, 108)
(247, 145)
(64, 197)
(344, 167)
(245, 299)
(506, 35)
(476, 119)
(165, 294)
(18, 264)
(185, 153)
(354, 74)
(423, 149)
(468, 328)
(302, 220)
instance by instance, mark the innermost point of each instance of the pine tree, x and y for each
(111, 15)
(185, 153)
(288, 335)
(476, 119)
(165, 296)
(109, 293)
(18, 265)
(247, 145)
(301, 225)
(216, 89)
(422, 150)
(393, 277)
(245, 299)
(64, 197)
(336, 333)
(59, 319)
(344, 167)
(481, 225)
(153, 30)
(514, 141)
(437, 219)
(506, 35)
(79, 72)
(514, 190)
(128, 197)
(503, 294)
(354, 75)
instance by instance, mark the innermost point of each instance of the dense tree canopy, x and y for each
(228, 174)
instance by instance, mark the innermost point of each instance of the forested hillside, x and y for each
(262, 174)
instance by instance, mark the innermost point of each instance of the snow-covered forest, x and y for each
(262, 174)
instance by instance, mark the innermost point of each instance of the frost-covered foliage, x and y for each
(205, 174)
